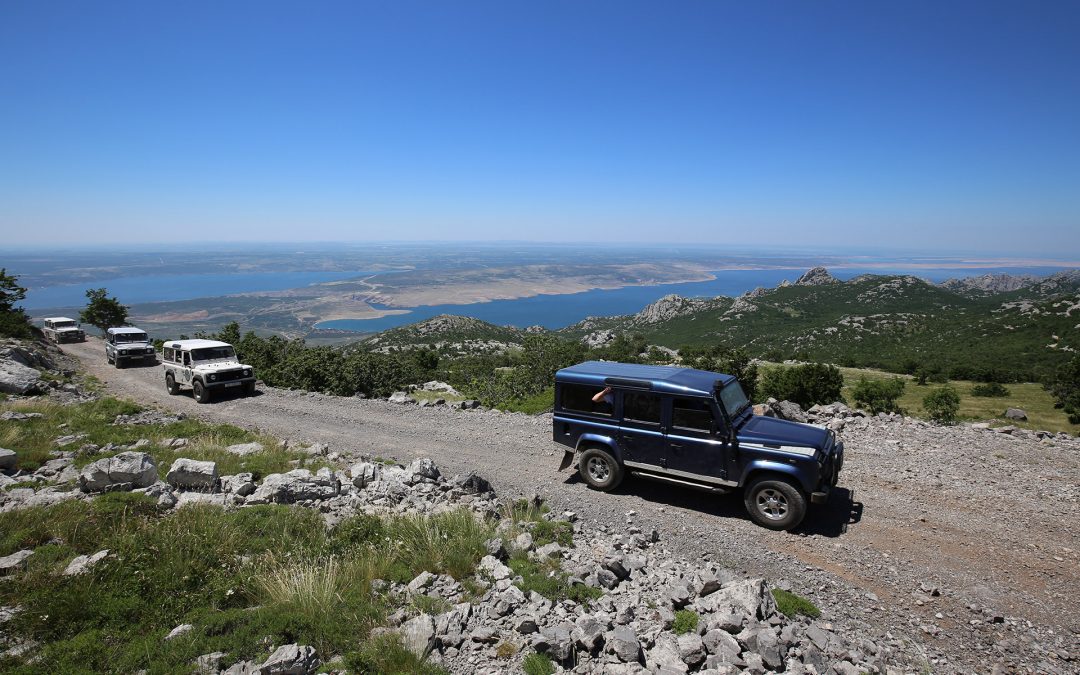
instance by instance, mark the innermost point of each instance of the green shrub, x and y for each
(807, 384)
(1065, 387)
(721, 359)
(942, 404)
(990, 390)
(790, 605)
(537, 664)
(685, 621)
(878, 395)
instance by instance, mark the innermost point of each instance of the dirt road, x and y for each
(957, 546)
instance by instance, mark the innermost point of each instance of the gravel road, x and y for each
(957, 546)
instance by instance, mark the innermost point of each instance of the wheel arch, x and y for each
(600, 441)
(761, 469)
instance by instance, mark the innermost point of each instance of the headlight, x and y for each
(247, 372)
(213, 377)
(149, 350)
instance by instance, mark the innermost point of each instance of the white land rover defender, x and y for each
(207, 366)
(62, 329)
(126, 344)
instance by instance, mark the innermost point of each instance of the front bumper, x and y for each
(830, 475)
(228, 384)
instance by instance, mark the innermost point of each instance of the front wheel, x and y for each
(202, 394)
(170, 385)
(599, 469)
(117, 362)
(249, 389)
(775, 503)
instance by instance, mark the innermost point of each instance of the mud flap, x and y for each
(567, 460)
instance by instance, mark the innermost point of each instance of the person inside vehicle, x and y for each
(605, 397)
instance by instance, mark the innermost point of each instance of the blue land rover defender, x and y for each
(692, 428)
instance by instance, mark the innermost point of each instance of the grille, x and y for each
(229, 375)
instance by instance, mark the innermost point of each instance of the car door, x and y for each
(696, 444)
(185, 367)
(641, 437)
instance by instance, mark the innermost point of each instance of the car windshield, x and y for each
(212, 353)
(64, 324)
(131, 337)
(733, 398)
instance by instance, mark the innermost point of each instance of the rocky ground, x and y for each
(954, 548)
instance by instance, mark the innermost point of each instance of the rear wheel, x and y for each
(170, 384)
(599, 469)
(775, 503)
(202, 394)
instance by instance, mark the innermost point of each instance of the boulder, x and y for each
(8, 459)
(192, 474)
(15, 378)
(296, 485)
(786, 410)
(291, 660)
(182, 629)
(125, 471)
(691, 649)
(623, 643)
(365, 473)
(84, 563)
(424, 468)
(241, 484)
(418, 634)
(472, 483)
(1016, 414)
(14, 562)
(243, 449)
(750, 597)
(401, 397)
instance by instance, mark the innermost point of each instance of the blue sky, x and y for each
(906, 124)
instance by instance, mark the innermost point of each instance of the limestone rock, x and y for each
(125, 471)
(84, 563)
(192, 474)
(291, 660)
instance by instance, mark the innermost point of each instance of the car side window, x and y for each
(187, 358)
(692, 414)
(579, 398)
(640, 406)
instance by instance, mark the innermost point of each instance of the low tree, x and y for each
(1065, 387)
(806, 384)
(102, 311)
(13, 320)
(878, 395)
(942, 404)
(720, 359)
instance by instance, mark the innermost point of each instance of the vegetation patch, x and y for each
(538, 664)
(246, 579)
(791, 605)
(685, 621)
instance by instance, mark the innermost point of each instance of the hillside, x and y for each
(896, 322)
(448, 333)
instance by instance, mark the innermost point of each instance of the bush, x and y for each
(685, 621)
(942, 404)
(790, 605)
(1065, 388)
(720, 359)
(537, 664)
(13, 320)
(806, 385)
(990, 390)
(878, 395)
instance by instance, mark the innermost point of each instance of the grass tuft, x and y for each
(685, 621)
(791, 605)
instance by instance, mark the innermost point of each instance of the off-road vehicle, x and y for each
(126, 344)
(691, 428)
(207, 366)
(62, 329)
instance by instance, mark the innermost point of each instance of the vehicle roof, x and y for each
(664, 379)
(195, 344)
(59, 318)
(125, 329)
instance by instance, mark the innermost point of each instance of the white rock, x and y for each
(182, 629)
(84, 563)
(136, 469)
(243, 449)
(192, 474)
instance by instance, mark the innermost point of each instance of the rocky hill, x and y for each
(446, 332)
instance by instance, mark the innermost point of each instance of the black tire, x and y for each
(108, 359)
(201, 393)
(249, 389)
(775, 503)
(170, 385)
(599, 469)
(118, 362)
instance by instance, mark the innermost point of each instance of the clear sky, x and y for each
(913, 124)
